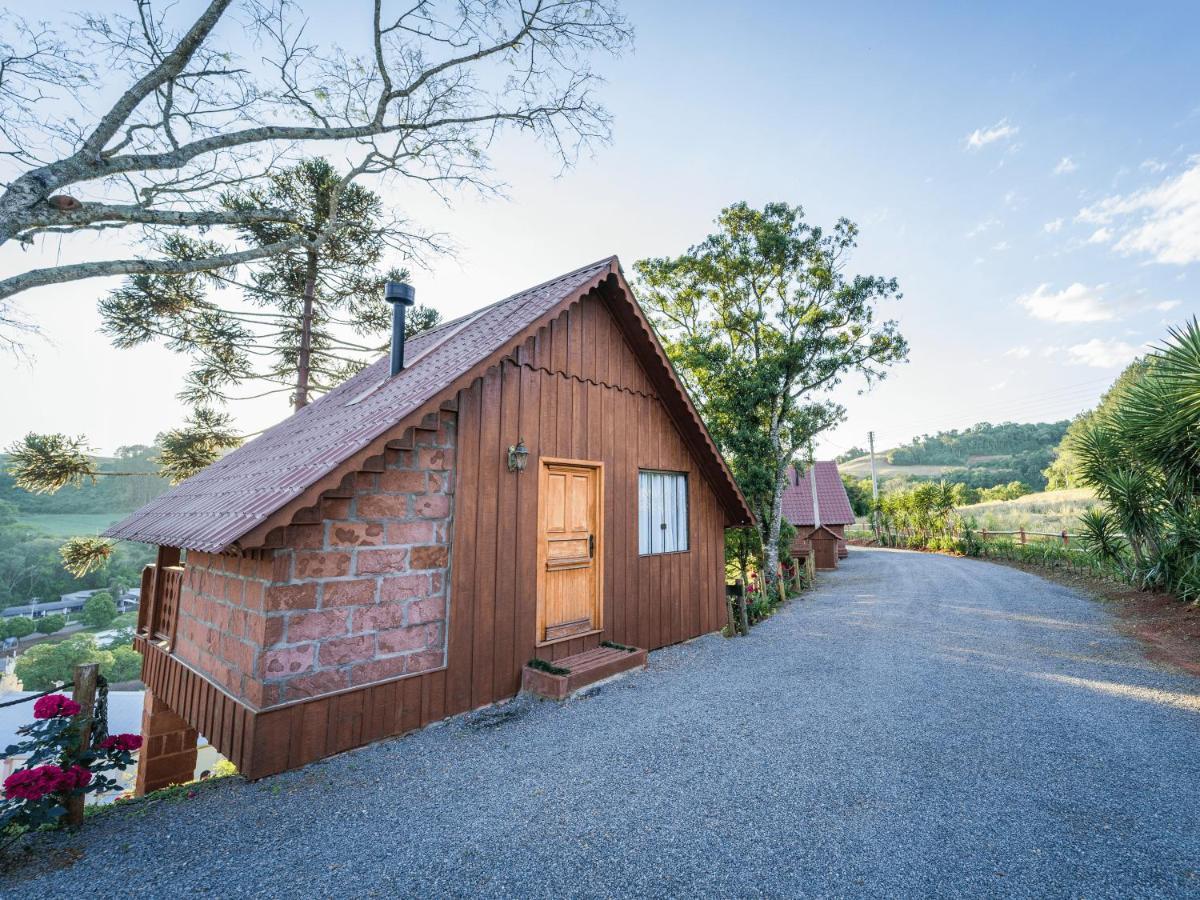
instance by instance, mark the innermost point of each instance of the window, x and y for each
(662, 512)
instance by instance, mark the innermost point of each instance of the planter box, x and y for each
(582, 669)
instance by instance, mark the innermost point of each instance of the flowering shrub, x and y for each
(57, 768)
(55, 705)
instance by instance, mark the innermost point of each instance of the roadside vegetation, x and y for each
(1135, 510)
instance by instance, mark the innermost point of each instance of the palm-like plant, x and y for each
(1143, 460)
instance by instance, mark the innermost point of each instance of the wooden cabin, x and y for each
(814, 499)
(533, 481)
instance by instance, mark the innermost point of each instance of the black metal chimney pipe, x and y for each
(399, 295)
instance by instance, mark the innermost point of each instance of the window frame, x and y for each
(643, 514)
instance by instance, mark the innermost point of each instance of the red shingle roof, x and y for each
(831, 496)
(226, 501)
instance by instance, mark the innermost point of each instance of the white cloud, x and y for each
(981, 137)
(1162, 222)
(1065, 166)
(1153, 165)
(998, 386)
(1019, 352)
(1102, 354)
(982, 227)
(1101, 235)
(1050, 351)
(1053, 227)
(1167, 305)
(1075, 303)
(1000, 246)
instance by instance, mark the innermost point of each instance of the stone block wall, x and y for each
(168, 754)
(358, 593)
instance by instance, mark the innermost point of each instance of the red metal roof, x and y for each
(213, 509)
(831, 496)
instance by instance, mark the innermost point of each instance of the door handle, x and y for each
(591, 546)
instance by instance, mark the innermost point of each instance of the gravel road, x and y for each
(918, 725)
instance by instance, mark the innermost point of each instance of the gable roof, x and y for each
(287, 465)
(831, 496)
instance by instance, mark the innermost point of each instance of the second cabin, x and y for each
(530, 481)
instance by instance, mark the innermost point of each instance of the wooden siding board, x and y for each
(485, 542)
(525, 600)
(462, 594)
(506, 674)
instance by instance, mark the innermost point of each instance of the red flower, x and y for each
(126, 743)
(76, 777)
(54, 705)
(36, 783)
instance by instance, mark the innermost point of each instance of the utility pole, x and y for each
(874, 485)
(874, 477)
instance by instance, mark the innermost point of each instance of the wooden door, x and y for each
(570, 538)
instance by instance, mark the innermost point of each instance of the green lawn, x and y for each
(65, 525)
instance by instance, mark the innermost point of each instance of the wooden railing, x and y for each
(1023, 536)
(158, 611)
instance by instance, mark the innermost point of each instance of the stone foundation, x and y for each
(168, 754)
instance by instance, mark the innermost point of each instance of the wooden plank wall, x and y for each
(575, 390)
(228, 724)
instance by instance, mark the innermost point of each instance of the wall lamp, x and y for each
(518, 456)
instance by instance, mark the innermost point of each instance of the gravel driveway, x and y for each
(919, 725)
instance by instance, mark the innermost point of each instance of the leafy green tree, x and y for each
(18, 627)
(761, 321)
(42, 666)
(126, 665)
(99, 611)
(858, 490)
(50, 624)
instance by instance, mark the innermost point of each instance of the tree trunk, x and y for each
(769, 530)
(303, 362)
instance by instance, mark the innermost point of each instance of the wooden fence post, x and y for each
(1066, 538)
(84, 693)
(1022, 533)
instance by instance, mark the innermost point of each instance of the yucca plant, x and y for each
(1143, 460)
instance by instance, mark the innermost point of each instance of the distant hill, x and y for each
(983, 455)
(110, 495)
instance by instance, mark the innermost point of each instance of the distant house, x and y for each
(528, 481)
(128, 600)
(831, 510)
(68, 603)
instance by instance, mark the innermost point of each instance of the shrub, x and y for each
(56, 767)
(19, 627)
(50, 624)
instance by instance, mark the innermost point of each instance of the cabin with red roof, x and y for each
(831, 509)
(531, 482)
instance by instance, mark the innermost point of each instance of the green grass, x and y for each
(64, 525)
(1049, 511)
(861, 468)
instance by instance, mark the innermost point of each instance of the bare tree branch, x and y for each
(434, 84)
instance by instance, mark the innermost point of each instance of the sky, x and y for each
(1029, 172)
